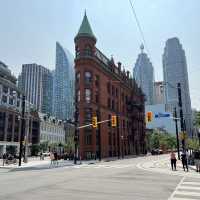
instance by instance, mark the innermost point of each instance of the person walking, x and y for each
(184, 160)
(173, 160)
(56, 157)
(4, 158)
(197, 160)
(52, 158)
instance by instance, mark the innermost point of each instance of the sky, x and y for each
(29, 31)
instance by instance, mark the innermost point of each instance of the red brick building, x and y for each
(104, 89)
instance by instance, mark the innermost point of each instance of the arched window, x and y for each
(88, 77)
(88, 50)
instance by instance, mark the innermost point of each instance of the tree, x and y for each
(163, 141)
(35, 148)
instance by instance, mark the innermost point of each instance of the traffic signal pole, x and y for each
(22, 130)
(177, 138)
(181, 114)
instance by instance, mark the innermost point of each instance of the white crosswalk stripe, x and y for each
(85, 166)
(186, 191)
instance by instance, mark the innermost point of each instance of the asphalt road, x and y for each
(116, 180)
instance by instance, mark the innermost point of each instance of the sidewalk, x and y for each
(35, 163)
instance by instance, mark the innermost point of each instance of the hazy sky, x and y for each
(29, 30)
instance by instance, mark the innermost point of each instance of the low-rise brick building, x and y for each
(104, 89)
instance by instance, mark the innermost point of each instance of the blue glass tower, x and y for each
(63, 97)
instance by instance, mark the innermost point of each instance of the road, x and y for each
(142, 178)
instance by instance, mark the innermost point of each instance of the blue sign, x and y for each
(160, 115)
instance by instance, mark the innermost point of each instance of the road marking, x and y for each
(191, 183)
(172, 195)
(186, 191)
(195, 194)
(189, 188)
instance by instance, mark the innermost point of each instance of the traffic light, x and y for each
(114, 120)
(94, 122)
(149, 116)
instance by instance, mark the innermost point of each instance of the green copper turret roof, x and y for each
(85, 28)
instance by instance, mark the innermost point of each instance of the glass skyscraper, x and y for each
(64, 77)
(37, 83)
(144, 76)
(175, 71)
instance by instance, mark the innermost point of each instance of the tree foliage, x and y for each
(162, 141)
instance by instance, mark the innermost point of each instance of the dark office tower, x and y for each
(144, 75)
(175, 71)
(63, 97)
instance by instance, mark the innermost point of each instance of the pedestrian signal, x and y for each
(94, 122)
(149, 116)
(114, 120)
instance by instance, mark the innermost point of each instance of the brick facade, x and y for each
(104, 89)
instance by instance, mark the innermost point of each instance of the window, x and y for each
(113, 90)
(97, 80)
(88, 136)
(108, 87)
(78, 77)
(78, 95)
(88, 77)
(116, 92)
(113, 105)
(87, 95)
(11, 101)
(88, 50)
(4, 99)
(97, 97)
(109, 122)
(88, 114)
(108, 101)
(5, 89)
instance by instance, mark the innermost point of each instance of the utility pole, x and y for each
(76, 133)
(181, 115)
(22, 130)
(99, 134)
(177, 138)
(118, 137)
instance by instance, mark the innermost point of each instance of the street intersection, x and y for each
(140, 178)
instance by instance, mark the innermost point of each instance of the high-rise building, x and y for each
(104, 89)
(175, 71)
(159, 92)
(37, 83)
(10, 114)
(63, 102)
(144, 75)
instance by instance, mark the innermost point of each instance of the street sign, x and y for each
(160, 115)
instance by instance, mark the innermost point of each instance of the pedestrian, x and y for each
(52, 159)
(184, 160)
(197, 160)
(173, 160)
(40, 155)
(4, 158)
(56, 157)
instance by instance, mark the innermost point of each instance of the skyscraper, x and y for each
(144, 75)
(175, 71)
(37, 83)
(159, 92)
(63, 102)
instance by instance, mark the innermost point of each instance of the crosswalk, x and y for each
(187, 190)
(104, 166)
